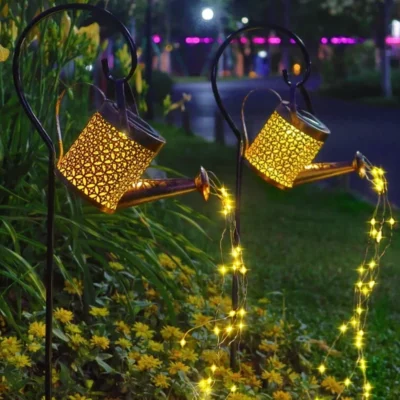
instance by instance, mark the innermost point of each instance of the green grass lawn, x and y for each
(302, 247)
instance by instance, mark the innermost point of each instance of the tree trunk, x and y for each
(384, 8)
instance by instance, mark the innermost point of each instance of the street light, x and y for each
(245, 20)
(207, 14)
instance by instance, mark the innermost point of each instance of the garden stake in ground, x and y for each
(106, 162)
(283, 151)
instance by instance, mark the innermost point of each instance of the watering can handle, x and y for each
(245, 135)
(58, 105)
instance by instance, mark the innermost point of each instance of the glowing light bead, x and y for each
(359, 284)
(236, 252)
(363, 365)
(353, 322)
(373, 233)
(391, 221)
(373, 221)
(223, 270)
(241, 325)
(361, 270)
(229, 328)
(236, 266)
(372, 264)
(183, 342)
(224, 192)
(371, 284)
(359, 310)
(233, 388)
(205, 385)
(243, 270)
(322, 369)
(232, 313)
(213, 368)
(365, 291)
(343, 328)
(359, 343)
(347, 382)
(379, 236)
(217, 331)
(367, 387)
(242, 312)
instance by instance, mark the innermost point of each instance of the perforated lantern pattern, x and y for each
(280, 151)
(103, 163)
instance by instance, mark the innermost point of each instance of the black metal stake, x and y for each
(149, 60)
(49, 272)
(242, 143)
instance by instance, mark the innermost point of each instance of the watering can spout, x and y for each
(319, 171)
(146, 190)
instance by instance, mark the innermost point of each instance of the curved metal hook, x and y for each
(16, 59)
(228, 41)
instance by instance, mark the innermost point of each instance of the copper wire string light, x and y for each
(380, 231)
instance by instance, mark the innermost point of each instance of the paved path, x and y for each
(375, 131)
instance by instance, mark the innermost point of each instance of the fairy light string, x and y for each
(227, 327)
(380, 231)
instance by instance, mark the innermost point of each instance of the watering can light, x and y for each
(283, 150)
(105, 164)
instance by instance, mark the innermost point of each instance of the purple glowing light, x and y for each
(392, 40)
(156, 38)
(274, 40)
(324, 40)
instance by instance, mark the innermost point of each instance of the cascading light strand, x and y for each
(227, 326)
(380, 231)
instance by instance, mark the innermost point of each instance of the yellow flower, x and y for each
(275, 331)
(195, 301)
(268, 346)
(122, 327)
(92, 33)
(124, 343)
(161, 381)
(3, 385)
(239, 396)
(4, 53)
(175, 367)
(272, 377)
(134, 355)
(119, 298)
(331, 385)
(34, 347)
(201, 320)
(63, 315)
(72, 328)
(9, 346)
(188, 354)
(76, 287)
(188, 271)
(116, 266)
(143, 330)
(275, 363)
(100, 341)
(37, 329)
(155, 346)
(170, 262)
(210, 356)
(20, 361)
(279, 395)
(77, 396)
(76, 340)
(148, 362)
(99, 311)
(170, 332)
